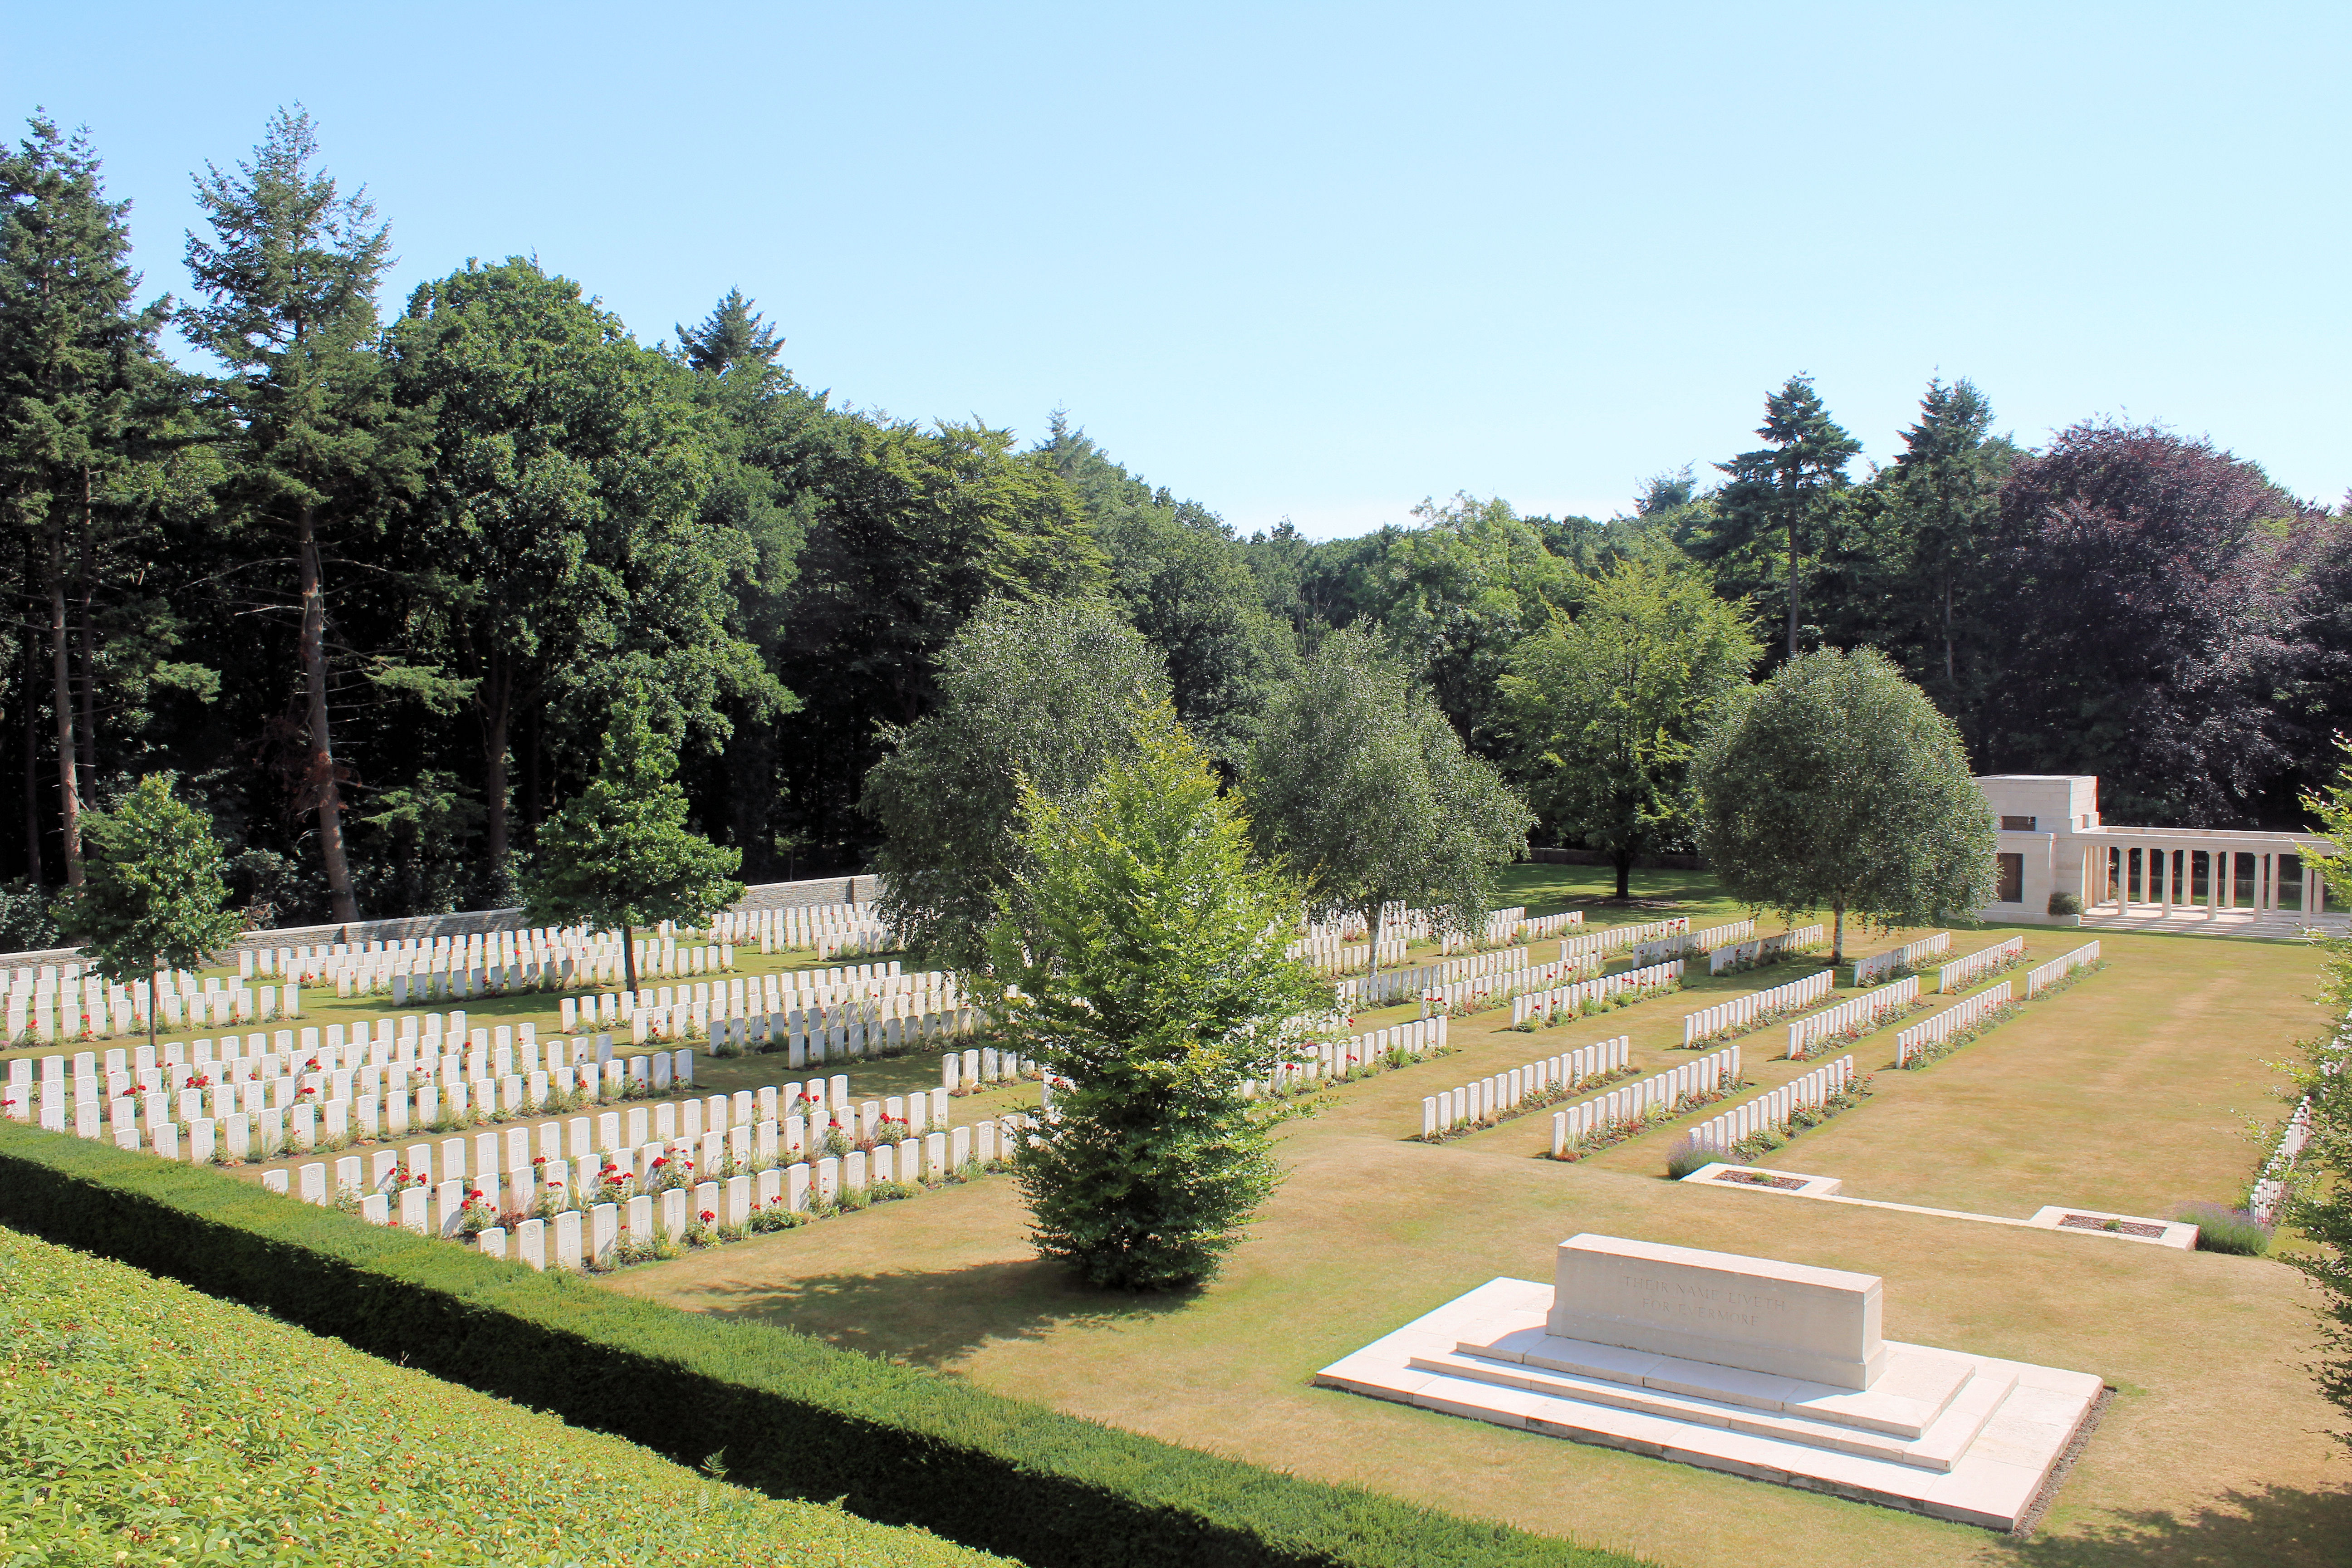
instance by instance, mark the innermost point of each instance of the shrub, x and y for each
(2220, 1228)
(795, 1417)
(2065, 904)
(1686, 1154)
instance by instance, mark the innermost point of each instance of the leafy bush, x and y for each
(793, 1417)
(162, 1425)
(1683, 1155)
(2065, 904)
(2220, 1228)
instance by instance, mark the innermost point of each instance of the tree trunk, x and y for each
(154, 1001)
(1792, 579)
(1623, 859)
(86, 734)
(495, 720)
(53, 579)
(1837, 935)
(629, 960)
(33, 872)
(322, 750)
(1951, 676)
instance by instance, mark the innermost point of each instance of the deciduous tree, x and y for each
(1836, 784)
(1605, 708)
(1361, 785)
(1034, 695)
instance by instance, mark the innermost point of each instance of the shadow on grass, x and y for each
(2279, 1526)
(931, 1319)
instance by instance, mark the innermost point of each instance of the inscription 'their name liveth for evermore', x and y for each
(1677, 1301)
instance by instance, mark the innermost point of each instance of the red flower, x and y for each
(538, 1159)
(708, 1217)
(659, 1161)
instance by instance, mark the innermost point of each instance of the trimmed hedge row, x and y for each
(793, 1417)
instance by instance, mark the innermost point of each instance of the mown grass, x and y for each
(145, 1423)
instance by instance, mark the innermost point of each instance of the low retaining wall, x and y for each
(465, 922)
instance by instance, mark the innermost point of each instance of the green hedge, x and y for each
(793, 1417)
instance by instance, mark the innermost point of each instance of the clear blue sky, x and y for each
(1321, 262)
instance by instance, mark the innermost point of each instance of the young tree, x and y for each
(76, 364)
(2320, 1204)
(1836, 784)
(619, 853)
(1036, 695)
(289, 277)
(1148, 949)
(1360, 784)
(1783, 488)
(153, 896)
(1606, 709)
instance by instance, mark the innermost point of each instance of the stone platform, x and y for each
(1937, 1432)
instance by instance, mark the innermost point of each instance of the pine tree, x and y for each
(75, 361)
(290, 277)
(620, 852)
(1782, 487)
(733, 334)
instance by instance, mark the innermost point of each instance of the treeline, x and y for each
(374, 584)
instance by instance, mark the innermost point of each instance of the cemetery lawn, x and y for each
(2123, 1093)
(142, 1423)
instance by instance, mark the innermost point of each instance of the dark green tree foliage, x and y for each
(1175, 569)
(1779, 502)
(1031, 695)
(2151, 587)
(1360, 784)
(1836, 784)
(317, 449)
(620, 853)
(1147, 948)
(769, 443)
(79, 379)
(1606, 709)
(154, 898)
(561, 526)
(915, 531)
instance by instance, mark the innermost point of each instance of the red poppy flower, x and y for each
(707, 1216)
(659, 1162)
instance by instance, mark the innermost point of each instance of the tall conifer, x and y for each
(290, 277)
(74, 359)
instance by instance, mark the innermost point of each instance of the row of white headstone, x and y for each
(1560, 1003)
(2058, 968)
(110, 1010)
(1770, 1112)
(1361, 992)
(2271, 1188)
(1488, 1099)
(1734, 955)
(1756, 1008)
(1910, 955)
(1503, 984)
(1542, 926)
(831, 930)
(1663, 1093)
(1336, 1059)
(1691, 942)
(1935, 1030)
(583, 1236)
(1963, 972)
(1609, 939)
(1501, 926)
(1326, 953)
(1851, 1018)
(982, 1066)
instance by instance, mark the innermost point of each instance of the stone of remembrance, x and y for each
(1776, 1371)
